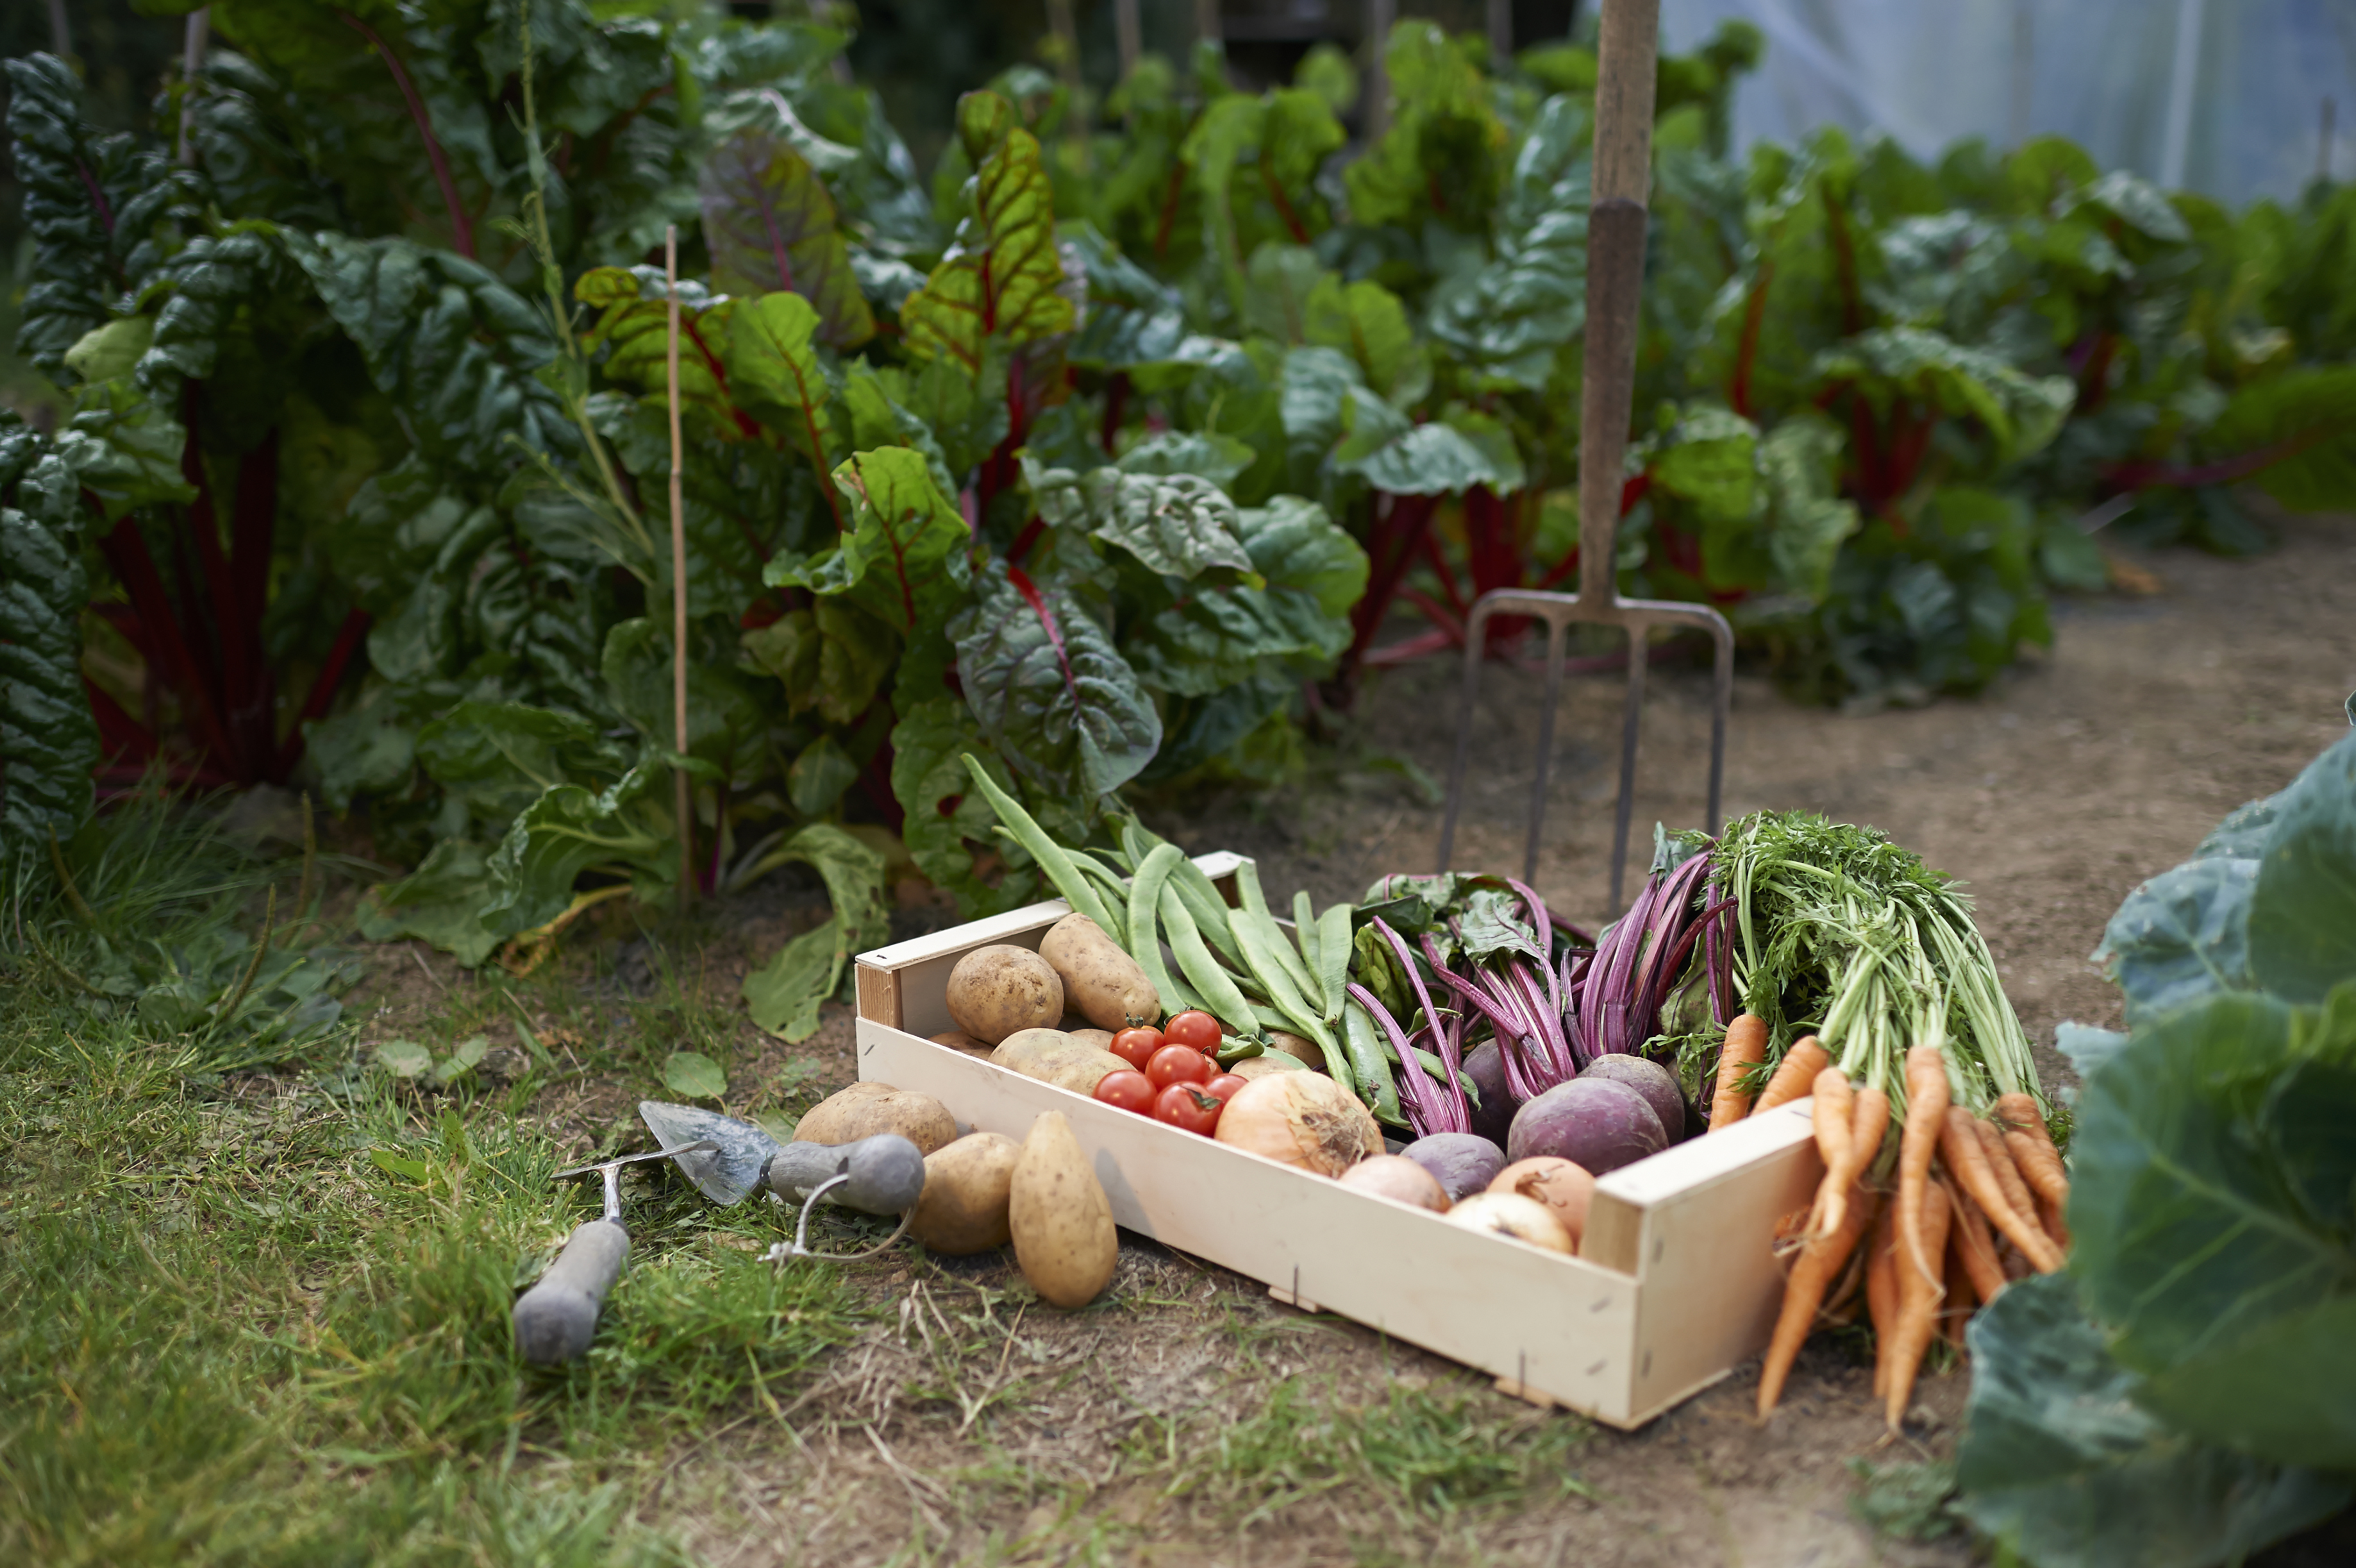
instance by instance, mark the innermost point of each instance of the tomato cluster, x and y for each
(1173, 1074)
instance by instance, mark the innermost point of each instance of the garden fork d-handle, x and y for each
(557, 1317)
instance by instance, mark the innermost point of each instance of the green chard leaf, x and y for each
(48, 743)
(770, 227)
(2302, 911)
(1052, 693)
(775, 371)
(624, 828)
(905, 553)
(1178, 523)
(1002, 281)
(783, 994)
(948, 824)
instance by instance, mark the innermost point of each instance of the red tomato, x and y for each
(1178, 1064)
(1197, 1030)
(1224, 1086)
(1136, 1047)
(1188, 1108)
(1129, 1091)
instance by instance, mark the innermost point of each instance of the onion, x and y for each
(1510, 1214)
(1302, 1119)
(1563, 1185)
(1396, 1177)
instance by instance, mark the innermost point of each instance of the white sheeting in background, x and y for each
(2219, 96)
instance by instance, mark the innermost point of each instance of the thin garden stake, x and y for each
(683, 794)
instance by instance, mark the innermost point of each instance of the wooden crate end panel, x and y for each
(1614, 1235)
(1710, 1282)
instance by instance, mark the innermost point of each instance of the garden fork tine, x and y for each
(1615, 278)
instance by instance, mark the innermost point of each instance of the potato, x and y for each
(1024, 1045)
(1053, 1056)
(1303, 1051)
(1065, 1242)
(866, 1109)
(963, 1210)
(1101, 981)
(959, 1040)
(998, 990)
(1267, 1062)
(1100, 1039)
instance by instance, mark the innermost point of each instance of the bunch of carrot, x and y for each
(1956, 1205)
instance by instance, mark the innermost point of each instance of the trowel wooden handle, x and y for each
(556, 1318)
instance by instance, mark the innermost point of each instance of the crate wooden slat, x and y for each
(1675, 1284)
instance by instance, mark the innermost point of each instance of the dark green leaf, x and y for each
(948, 826)
(1176, 524)
(2182, 935)
(2302, 913)
(2060, 1462)
(2211, 1204)
(1052, 693)
(770, 227)
(442, 901)
(624, 827)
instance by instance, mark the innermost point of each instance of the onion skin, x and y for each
(1300, 1119)
(1563, 1185)
(1512, 1215)
(1397, 1178)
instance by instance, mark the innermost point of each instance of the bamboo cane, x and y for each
(682, 793)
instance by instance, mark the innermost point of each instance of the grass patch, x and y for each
(266, 1320)
(1413, 1453)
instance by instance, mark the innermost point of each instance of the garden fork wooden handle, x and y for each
(1615, 279)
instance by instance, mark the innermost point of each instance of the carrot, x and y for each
(2033, 1151)
(1882, 1291)
(1969, 1230)
(1967, 1162)
(1869, 1123)
(1818, 1262)
(1918, 1312)
(1926, 1116)
(1800, 1064)
(1962, 1296)
(2056, 1223)
(1832, 1107)
(1745, 1048)
(2007, 1174)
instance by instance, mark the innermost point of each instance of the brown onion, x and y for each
(1510, 1214)
(1302, 1119)
(1561, 1184)
(1396, 1177)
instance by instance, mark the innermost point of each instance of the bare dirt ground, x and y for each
(970, 1423)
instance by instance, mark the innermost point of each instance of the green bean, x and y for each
(1067, 877)
(1212, 917)
(1115, 886)
(1368, 1063)
(1304, 931)
(1255, 914)
(1216, 985)
(1334, 945)
(1144, 932)
(1262, 955)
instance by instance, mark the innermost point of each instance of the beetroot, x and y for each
(1484, 1064)
(1595, 1123)
(1656, 1083)
(1464, 1162)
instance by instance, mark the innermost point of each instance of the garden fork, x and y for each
(1615, 277)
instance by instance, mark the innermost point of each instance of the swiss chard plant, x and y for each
(1102, 453)
(2185, 1392)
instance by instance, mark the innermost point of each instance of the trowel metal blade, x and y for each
(725, 1175)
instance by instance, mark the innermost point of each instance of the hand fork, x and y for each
(1615, 277)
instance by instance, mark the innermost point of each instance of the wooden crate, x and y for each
(1674, 1284)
